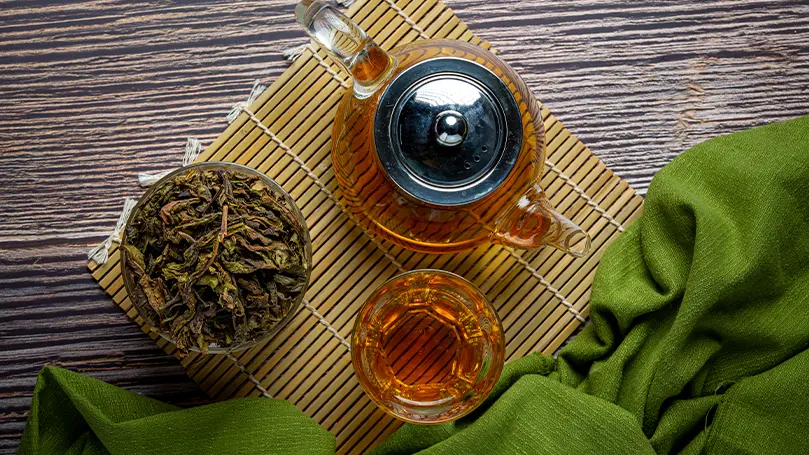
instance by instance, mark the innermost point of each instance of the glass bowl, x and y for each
(427, 347)
(299, 226)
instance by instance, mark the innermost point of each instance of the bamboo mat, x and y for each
(541, 295)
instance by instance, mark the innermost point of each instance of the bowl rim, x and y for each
(206, 165)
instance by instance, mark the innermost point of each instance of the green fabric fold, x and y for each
(75, 414)
(698, 342)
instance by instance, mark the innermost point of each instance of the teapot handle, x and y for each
(350, 46)
(533, 222)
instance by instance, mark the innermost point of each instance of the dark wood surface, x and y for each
(94, 92)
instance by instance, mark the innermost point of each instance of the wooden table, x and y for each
(118, 86)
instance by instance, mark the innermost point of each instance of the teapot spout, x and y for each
(350, 46)
(533, 222)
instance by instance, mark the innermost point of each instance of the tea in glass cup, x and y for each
(427, 347)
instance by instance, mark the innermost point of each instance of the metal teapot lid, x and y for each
(448, 131)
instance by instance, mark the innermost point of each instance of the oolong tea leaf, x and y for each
(215, 257)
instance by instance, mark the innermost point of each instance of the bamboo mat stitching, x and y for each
(407, 19)
(293, 53)
(193, 149)
(250, 377)
(333, 73)
(545, 283)
(328, 326)
(101, 252)
(584, 196)
(255, 92)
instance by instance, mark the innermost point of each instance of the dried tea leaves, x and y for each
(216, 257)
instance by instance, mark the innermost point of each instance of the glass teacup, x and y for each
(427, 346)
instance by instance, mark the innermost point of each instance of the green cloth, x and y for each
(75, 414)
(698, 342)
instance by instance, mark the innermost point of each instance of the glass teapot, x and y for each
(440, 145)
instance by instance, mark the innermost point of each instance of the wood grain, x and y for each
(120, 85)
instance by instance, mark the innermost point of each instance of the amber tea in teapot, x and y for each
(440, 145)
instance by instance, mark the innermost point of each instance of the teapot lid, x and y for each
(448, 131)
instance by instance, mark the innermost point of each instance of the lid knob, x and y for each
(450, 128)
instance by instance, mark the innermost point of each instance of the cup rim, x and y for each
(435, 272)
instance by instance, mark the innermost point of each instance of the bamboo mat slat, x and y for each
(541, 295)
